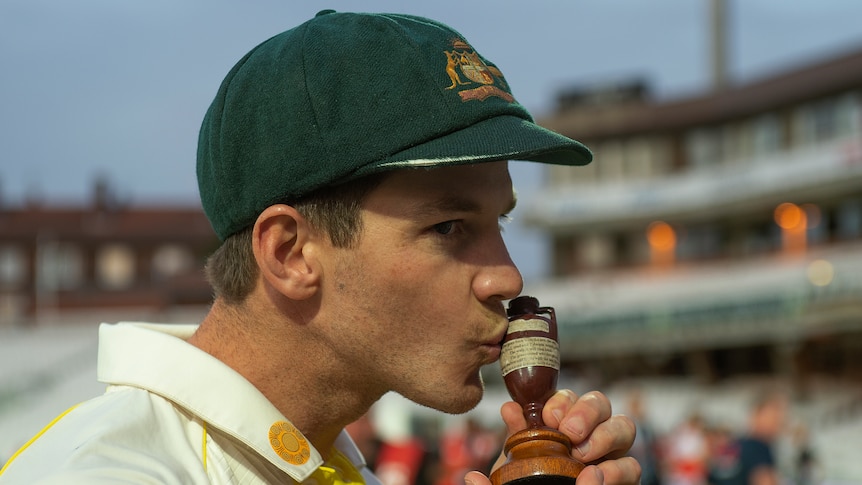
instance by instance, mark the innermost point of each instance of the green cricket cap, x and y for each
(345, 95)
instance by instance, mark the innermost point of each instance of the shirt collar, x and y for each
(200, 383)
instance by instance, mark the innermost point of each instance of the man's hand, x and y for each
(599, 439)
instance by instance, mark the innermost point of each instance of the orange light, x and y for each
(789, 216)
(793, 222)
(661, 236)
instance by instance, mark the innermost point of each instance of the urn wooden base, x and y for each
(537, 456)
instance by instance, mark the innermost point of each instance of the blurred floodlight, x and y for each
(661, 236)
(820, 272)
(789, 216)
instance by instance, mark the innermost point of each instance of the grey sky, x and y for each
(119, 87)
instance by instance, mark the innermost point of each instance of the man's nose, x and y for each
(499, 278)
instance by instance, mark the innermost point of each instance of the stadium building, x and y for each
(714, 236)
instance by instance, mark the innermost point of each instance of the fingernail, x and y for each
(575, 427)
(558, 414)
(583, 448)
(468, 481)
(600, 475)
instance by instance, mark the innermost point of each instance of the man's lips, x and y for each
(494, 344)
(493, 352)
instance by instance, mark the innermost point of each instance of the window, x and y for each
(596, 251)
(115, 266)
(12, 266)
(766, 134)
(701, 242)
(849, 219)
(170, 260)
(609, 161)
(639, 158)
(59, 266)
(847, 114)
(703, 147)
(733, 143)
(827, 119)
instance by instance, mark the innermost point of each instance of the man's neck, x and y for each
(293, 372)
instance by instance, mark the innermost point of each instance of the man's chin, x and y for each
(453, 401)
(465, 400)
(460, 407)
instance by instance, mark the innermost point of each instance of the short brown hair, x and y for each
(231, 270)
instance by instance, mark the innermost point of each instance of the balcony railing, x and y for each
(772, 299)
(811, 171)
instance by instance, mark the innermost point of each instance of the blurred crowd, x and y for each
(429, 457)
(694, 452)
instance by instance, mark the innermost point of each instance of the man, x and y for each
(645, 448)
(749, 459)
(358, 189)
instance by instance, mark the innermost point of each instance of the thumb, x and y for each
(513, 417)
(476, 478)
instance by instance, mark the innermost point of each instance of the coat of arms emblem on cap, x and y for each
(466, 69)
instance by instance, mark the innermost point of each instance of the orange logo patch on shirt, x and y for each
(289, 443)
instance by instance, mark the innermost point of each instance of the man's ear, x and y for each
(282, 241)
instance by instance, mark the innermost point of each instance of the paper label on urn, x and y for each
(531, 324)
(528, 352)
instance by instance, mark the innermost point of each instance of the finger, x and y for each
(557, 406)
(513, 416)
(476, 478)
(583, 416)
(501, 460)
(610, 439)
(591, 475)
(622, 471)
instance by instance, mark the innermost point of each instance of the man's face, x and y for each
(418, 302)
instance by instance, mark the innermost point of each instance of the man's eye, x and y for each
(444, 227)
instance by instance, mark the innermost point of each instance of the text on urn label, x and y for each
(529, 352)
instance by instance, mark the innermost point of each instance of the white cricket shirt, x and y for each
(173, 414)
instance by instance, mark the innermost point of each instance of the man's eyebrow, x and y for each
(446, 204)
(456, 204)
